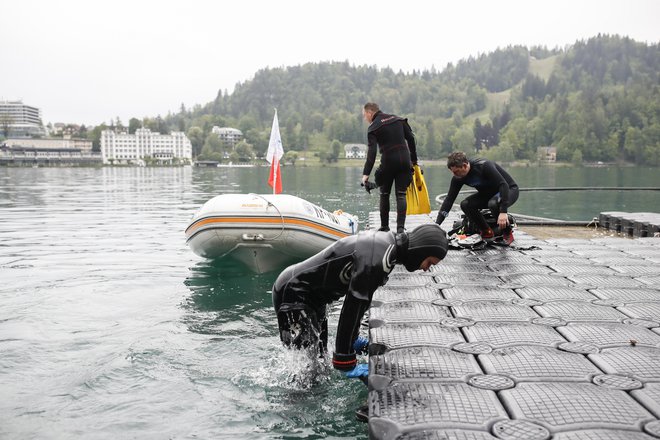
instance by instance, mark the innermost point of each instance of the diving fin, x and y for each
(470, 241)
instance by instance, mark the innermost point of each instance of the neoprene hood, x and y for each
(427, 240)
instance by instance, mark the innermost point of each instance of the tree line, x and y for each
(597, 100)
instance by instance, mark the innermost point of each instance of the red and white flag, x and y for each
(273, 156)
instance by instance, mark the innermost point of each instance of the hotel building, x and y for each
(230, 136)
(20, 120)
(124, 148)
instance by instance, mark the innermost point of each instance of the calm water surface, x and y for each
(111, 328)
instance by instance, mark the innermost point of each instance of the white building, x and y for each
(547, 154)
(230, 136)
(20, 120)
(124, 148)
(83, 145)
(355, 151)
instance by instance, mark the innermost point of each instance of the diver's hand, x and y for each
(360, 371)
(364, 178)
(361, 344)
(503, 220)
(369, 186)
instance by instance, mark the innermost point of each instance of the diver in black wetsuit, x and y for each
(398, 153)
(496, 190)
(353, 267)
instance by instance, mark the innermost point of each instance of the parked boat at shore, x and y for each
(265, 231)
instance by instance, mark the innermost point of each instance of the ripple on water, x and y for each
(112, 328)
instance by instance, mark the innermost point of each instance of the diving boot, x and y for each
(507, 236)
(488, 235)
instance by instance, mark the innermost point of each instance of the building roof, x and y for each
(227, 130)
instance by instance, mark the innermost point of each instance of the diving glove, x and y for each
(360, 371)
(361, 344)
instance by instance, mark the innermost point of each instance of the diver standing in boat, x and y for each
(353, 268)
(394, 138)
(496, 190)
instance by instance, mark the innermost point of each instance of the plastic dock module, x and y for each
(553, 339)
(635, 224)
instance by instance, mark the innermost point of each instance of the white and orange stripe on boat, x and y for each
(192, 229)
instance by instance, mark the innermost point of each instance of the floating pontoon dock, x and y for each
(560, 342)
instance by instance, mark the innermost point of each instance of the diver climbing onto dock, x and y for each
(353, 267)
(394, 138)
(496, 190)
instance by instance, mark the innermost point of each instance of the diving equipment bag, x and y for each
(465, 226)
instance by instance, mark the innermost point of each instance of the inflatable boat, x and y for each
(265, 231)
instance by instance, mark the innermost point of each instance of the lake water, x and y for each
(110, 327)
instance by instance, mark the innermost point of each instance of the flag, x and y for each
(273, 156)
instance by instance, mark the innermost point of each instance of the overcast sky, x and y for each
(90, 62)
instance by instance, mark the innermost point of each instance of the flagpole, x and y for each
(276, 164)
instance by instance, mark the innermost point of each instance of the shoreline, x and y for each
(315, 162)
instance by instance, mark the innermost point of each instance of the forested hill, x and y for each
(597, 100)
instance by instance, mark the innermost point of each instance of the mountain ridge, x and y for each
(593, 100)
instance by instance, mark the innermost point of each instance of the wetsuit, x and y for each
(353, 267)
(496, 190)
(398, 152)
